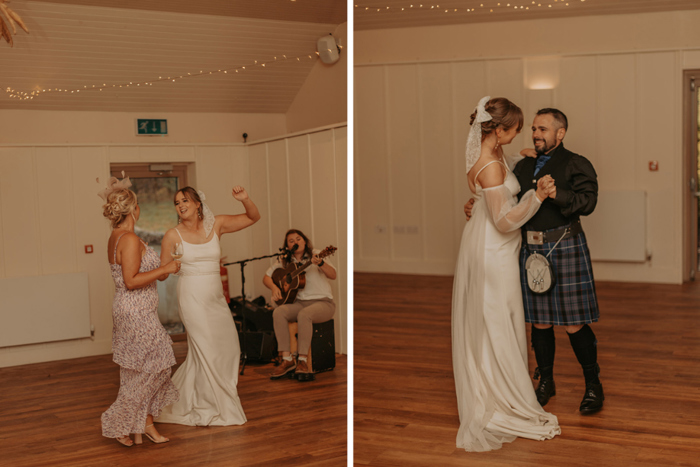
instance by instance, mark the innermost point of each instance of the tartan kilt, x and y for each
(572, 300)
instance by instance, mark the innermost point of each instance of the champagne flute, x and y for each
(177, 251)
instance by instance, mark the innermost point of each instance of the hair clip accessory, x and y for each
(114, 184)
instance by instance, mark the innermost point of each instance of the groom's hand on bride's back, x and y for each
(468, 208)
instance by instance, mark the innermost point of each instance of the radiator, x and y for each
(44, 309)
(617, 231)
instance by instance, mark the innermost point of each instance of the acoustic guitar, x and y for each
(292, 278)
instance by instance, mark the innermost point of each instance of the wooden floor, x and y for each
(649, 353)
(50, 416)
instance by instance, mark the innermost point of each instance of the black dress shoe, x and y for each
(545, 390)
(593, 399)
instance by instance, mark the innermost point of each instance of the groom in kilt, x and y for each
(556, 228)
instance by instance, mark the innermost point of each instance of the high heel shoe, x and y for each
(164, 440)
(137, 438)
(125, 441)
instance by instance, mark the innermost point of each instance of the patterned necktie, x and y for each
(541, 161)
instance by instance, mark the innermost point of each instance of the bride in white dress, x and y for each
(495, 395)
(208, 377)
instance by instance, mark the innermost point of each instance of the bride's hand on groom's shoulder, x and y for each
(528, 152)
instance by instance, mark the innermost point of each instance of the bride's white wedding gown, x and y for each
(495, 396)
(208, 377)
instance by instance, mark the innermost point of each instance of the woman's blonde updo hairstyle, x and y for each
(120, 203)
(503, 113)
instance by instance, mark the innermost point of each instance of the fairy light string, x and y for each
(491, 6)
(29, 95)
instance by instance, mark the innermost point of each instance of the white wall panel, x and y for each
(279, 189)
(121, 154)
(404, 135)
(576, 96)
(617, 132)
(18, 195)
(437, 181)
(56, 214)
(371, 168)
(656, 77)
(262, 241)
(324, 201)
(300, 184)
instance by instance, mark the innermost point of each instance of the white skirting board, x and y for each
(617, 229)
(44, 309)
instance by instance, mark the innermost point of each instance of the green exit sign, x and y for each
(148, 126)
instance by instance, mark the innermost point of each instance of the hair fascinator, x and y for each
(114, 184)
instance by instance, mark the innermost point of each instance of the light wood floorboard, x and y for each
(50, 416)
(649, 351)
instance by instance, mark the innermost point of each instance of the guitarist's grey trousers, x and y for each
(305, 313)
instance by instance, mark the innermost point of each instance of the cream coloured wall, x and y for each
(322, 100)
(72, 127)
(49, 209)
(618, 79)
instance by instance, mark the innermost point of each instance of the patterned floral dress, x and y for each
(144, 352)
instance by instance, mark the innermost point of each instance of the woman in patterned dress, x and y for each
(141, 347)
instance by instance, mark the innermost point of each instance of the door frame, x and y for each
(691, 184)
(143, 170)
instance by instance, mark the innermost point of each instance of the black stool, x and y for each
(322, 346)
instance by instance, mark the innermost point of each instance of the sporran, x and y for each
(540, 273)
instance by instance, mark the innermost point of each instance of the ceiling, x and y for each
(382, 14)
(235, 56)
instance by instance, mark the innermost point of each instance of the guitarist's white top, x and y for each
(317, 284)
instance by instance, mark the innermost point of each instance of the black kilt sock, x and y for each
(585, 344)
(544, 346)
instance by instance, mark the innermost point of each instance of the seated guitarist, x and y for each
(313, 304)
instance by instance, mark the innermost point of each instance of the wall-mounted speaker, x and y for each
(328, 50)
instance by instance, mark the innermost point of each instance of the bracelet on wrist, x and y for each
(323, 261)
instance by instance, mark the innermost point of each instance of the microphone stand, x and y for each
(243, 262)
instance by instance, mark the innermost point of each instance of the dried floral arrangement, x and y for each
(12, 18)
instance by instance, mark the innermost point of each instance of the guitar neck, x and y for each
(301, 268)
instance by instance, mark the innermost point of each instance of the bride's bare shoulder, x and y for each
(488, 172)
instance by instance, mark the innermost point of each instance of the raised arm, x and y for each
(234, 223)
